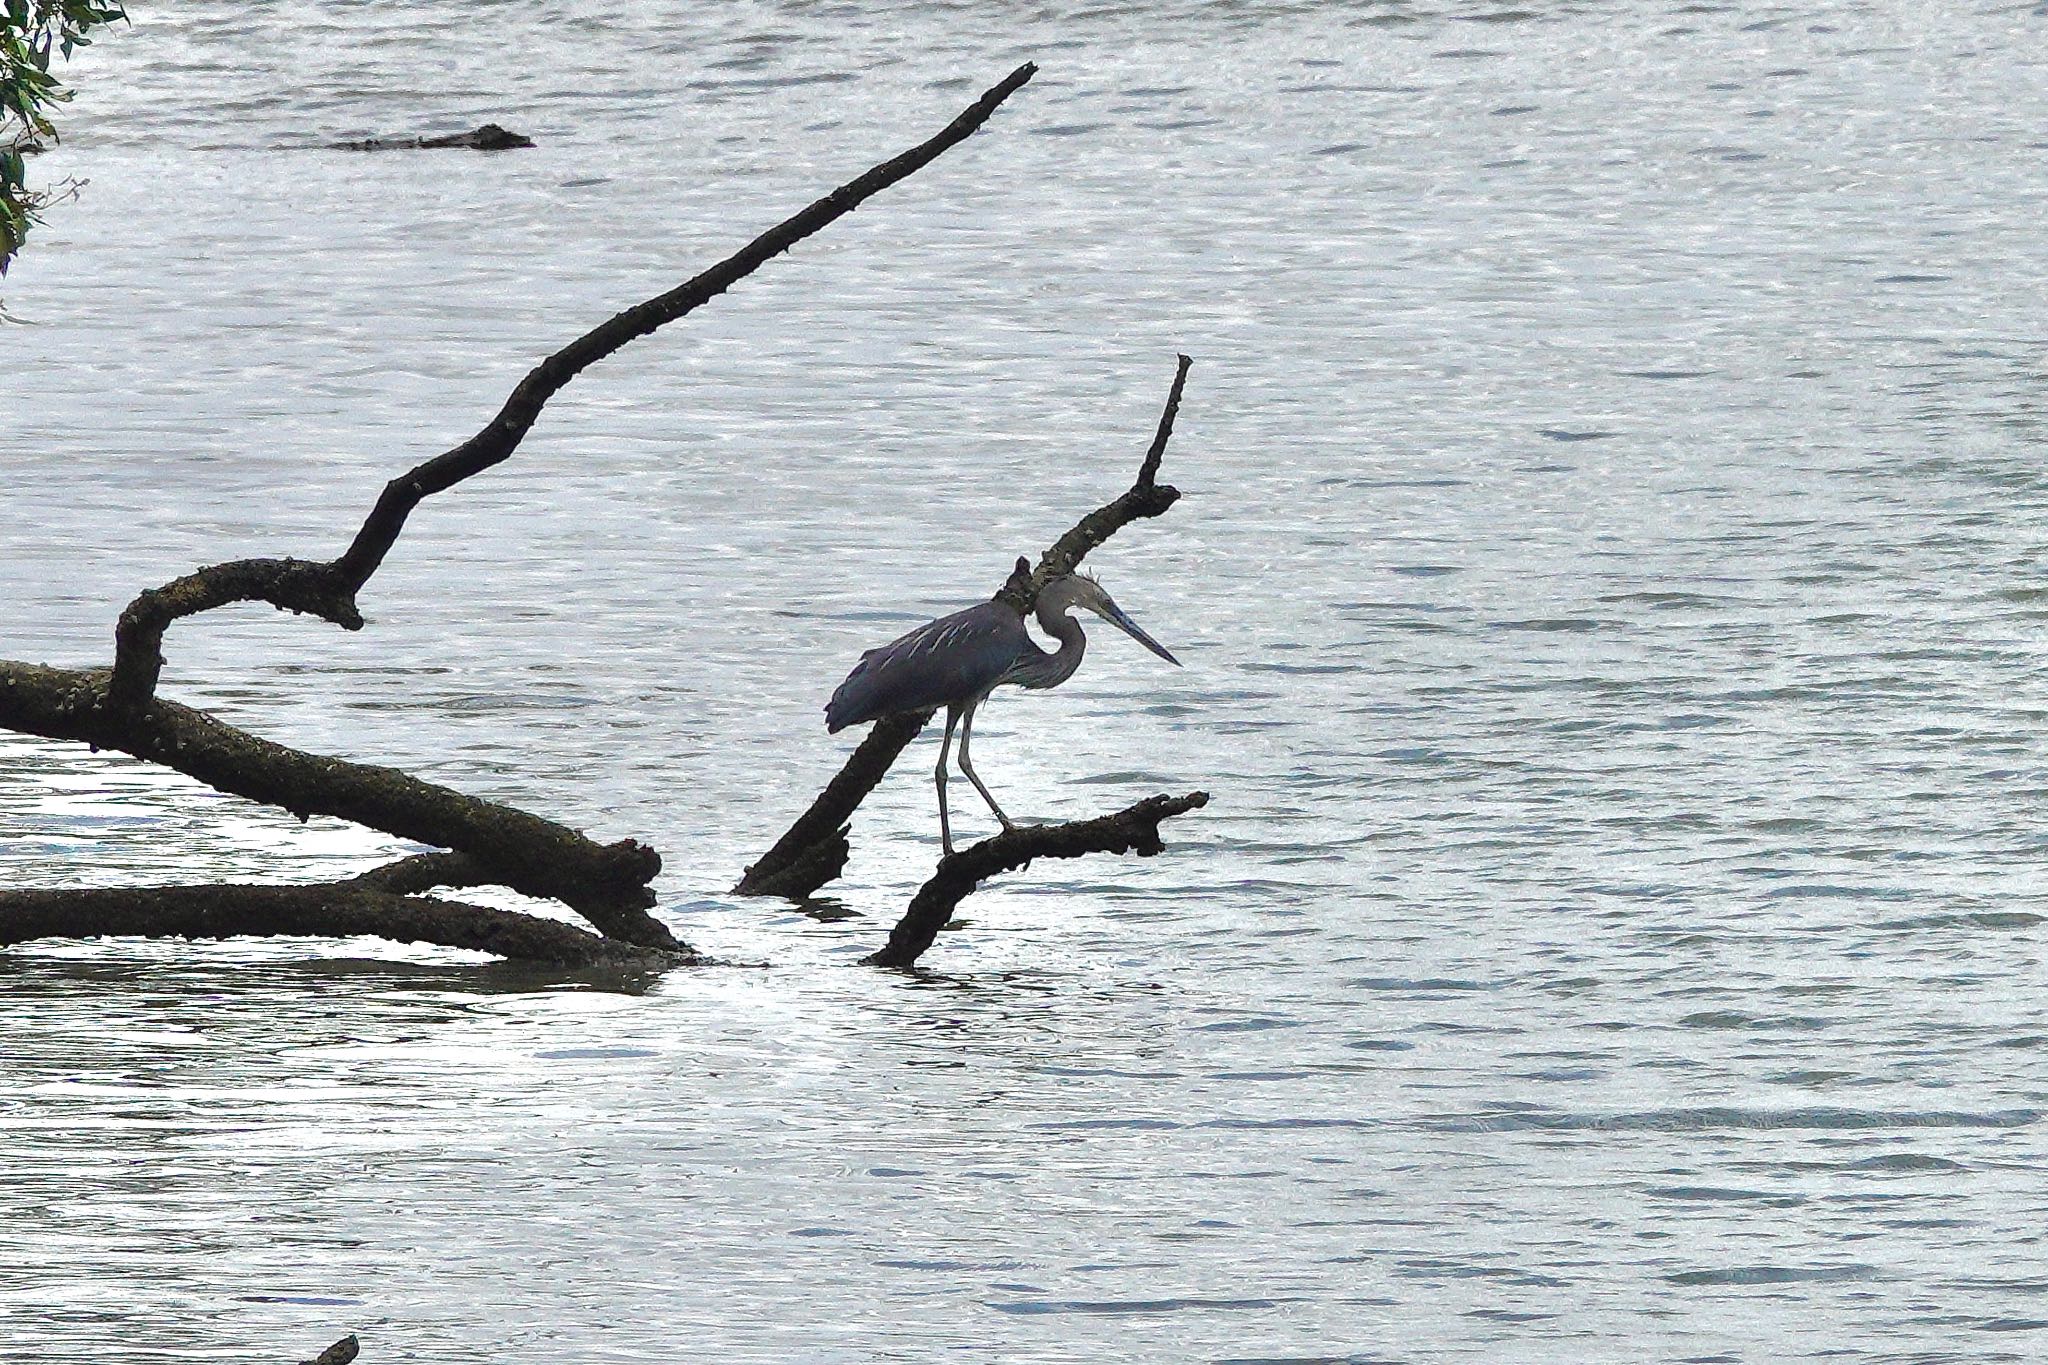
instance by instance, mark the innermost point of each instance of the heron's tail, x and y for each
(850, 705)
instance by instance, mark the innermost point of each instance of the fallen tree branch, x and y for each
(490, 137)
(1135, 829)
(118, 708)
(328, 590)
(813, 851)
(605, 883)
(325, 910)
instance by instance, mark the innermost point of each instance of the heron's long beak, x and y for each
(1116, 617)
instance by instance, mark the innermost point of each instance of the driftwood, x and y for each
(489, 138)
(486, 843)
(813, 851)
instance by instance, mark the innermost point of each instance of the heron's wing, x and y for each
(941, 662)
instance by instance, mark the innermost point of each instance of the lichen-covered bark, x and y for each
(287, 584)
(813, 851)
(1135, 829)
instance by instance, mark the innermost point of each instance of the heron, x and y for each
(957, 660)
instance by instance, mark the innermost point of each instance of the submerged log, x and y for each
(489, 138)
(327, 910)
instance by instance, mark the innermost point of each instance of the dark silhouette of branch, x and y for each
(325, 910)
(118, 708)
(328, 590)
(814, 850)
(605, 883)
(1135, 829)
(1144, 498)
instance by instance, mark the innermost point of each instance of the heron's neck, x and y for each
(1050, 670)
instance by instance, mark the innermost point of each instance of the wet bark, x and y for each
(1135, 829)
(605, 883)
(815, 848)
(813, 851)
(324, 910)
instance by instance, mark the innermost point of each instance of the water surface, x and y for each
(1609, 580)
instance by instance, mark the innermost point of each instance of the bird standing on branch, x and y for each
(957, 660)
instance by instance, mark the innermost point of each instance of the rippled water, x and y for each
(1610, 582)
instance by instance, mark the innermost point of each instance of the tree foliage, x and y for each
(31, 32)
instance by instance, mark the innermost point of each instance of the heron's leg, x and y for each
(966, 728)
(939, 776)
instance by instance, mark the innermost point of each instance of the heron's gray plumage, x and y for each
(942, 661)
(957, 660)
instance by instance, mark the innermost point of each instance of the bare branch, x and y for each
(491, 843)
(606, 884)
(1134, 829)
(288, 584)
(1148, 472)
(424, 872)
(1144, 498)
(326, 910)
(813, 851)
(328, 590)
(503, 434)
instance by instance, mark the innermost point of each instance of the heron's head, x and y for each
(1080, 590)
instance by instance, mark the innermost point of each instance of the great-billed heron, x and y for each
(957, 660)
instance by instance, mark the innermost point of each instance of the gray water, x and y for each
(1610, 582)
